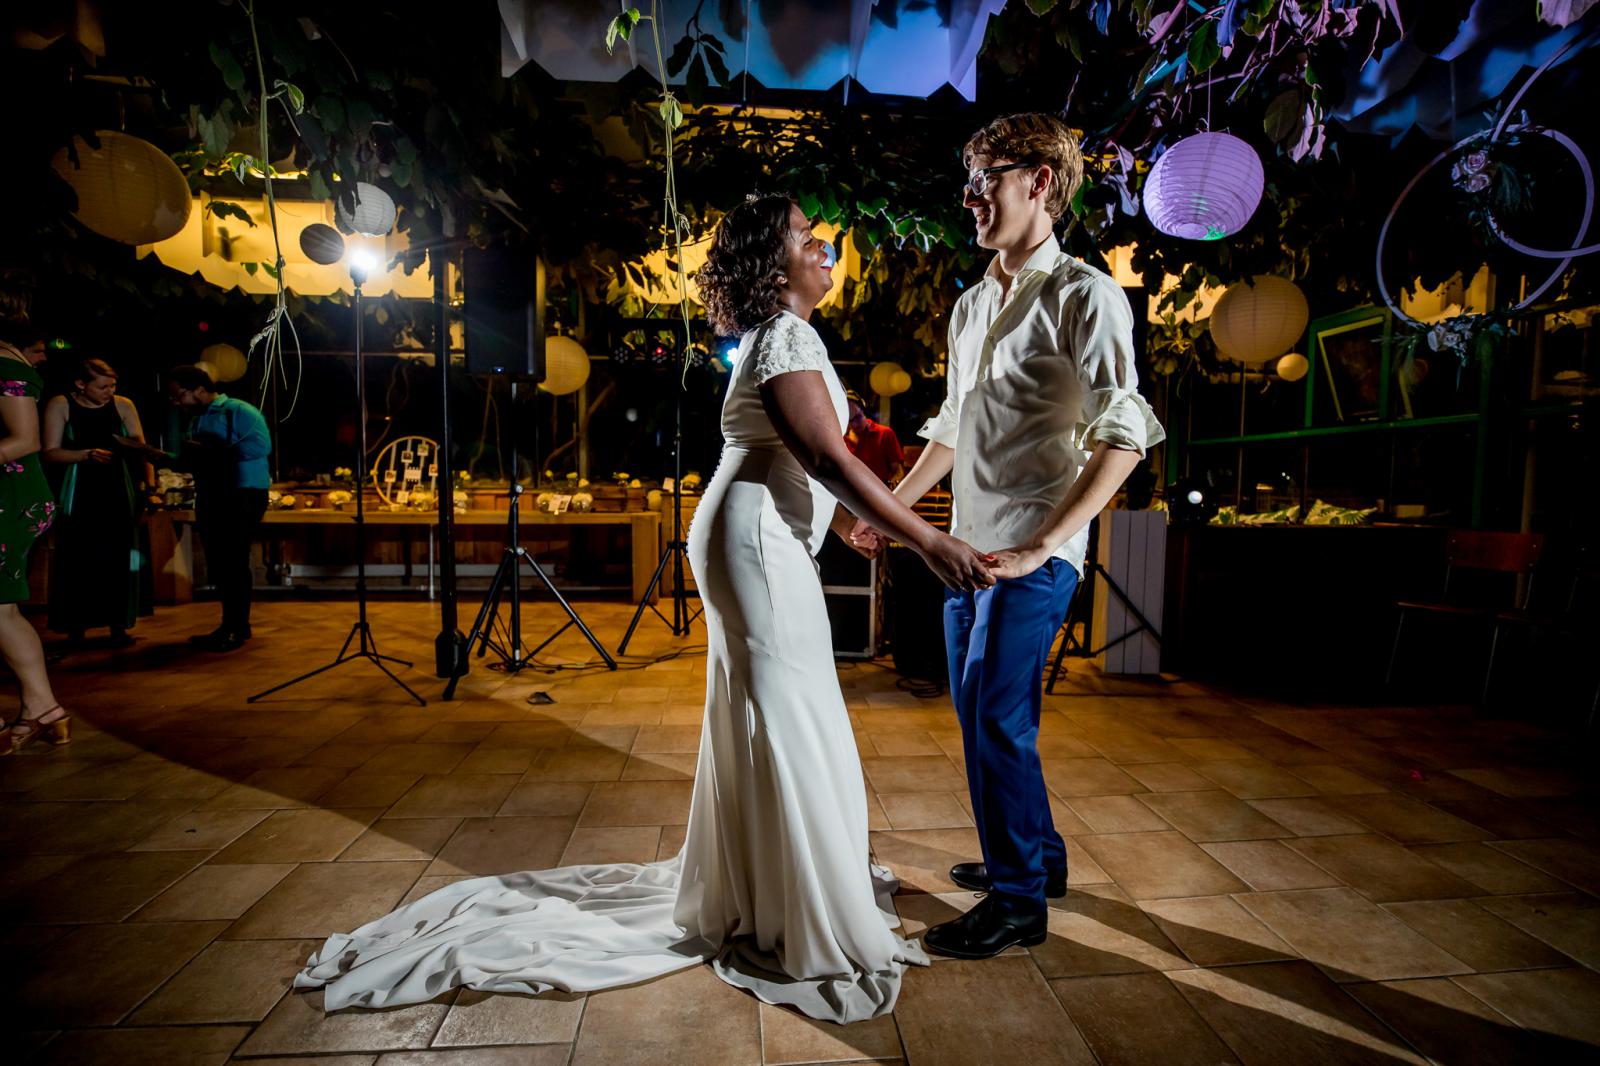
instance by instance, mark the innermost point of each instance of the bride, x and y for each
(774, 886)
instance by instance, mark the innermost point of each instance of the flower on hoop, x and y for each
(1473, 172)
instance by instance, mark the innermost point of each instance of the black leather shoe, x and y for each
(216, 636)
(985, 931)
(220, 640)
(974, 877)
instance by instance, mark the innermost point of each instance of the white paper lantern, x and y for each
(227, 362)
(1293, 366)
(372, 214)
(1257, 322)
(128, 189)
(889, 379)
(566, 366)
(1204, 187)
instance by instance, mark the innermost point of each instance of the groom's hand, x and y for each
(1018, 562)
(866, 540)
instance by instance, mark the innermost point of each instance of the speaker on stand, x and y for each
(504, 313)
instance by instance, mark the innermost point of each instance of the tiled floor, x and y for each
(1251, 882)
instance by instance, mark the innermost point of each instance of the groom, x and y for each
(1040, 425)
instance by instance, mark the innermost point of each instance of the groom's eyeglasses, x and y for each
(978, 180)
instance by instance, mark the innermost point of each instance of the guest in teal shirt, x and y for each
(226, 447)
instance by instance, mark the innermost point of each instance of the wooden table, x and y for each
(171, 540)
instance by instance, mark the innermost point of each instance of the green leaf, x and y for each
(719, 69)
(400, 173)
(405, 150)
(232, 72)
(1041, 7)
(270, 270)
(330, 109)
(319, 187)
(358, 115)
(671, 113)
(712, 42)
(251, 268)
(297, 99)
(1203, 48)
(1282, 120)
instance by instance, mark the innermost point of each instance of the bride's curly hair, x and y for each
(739, 284)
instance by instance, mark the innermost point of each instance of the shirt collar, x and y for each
(1044, 259)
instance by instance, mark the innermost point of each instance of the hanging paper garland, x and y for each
(1204, 188)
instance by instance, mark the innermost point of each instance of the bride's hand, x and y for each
(958, 564)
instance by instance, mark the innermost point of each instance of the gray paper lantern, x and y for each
(322, 243)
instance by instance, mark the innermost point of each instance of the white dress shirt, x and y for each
(1035, 378)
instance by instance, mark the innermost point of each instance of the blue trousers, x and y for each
(997, 641)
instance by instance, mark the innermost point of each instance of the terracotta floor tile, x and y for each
(104, 888)
(526, 1055)
(914, 773)
(637, 803)
(1348, 936)
(455, 796)
(1130, 746)
(214, 892)
(1087, 777)
(401, 840)
(790, 1037)
(546, 798)
(909, 742)
(1447, 1024)
(1574, 861)
(921, 858)
(1057, 746)
(1333, 780)
(1308, 817)
(671, 841)
(1116, 814)
(618, 738)
(127, 962)
(314, 835)
(1216, 931)
(1214, 815)
(1490, 869)
(1383, 870)
(663, 739)
(614, 844)
(322, 898)
(82, 827)
(1254, 778)
(960, 1013)
(485, 1018)
(1524, 780)
(1269, 865)
(1065, 819)
(362, 789)
(687, 1018)
(277, 789)
(579, 764)
(924, 810)
(1407, 820)
(660, 766)
(427, 885)
(1568, 921)
(201, 830)
(1286, 1012)
(207, 1046)
(1137, 1019)
(1168, 777)
(1209, 749)
(541, 735)
(1099, 930)
(230, 981)
(1475, 936)
(1562, 1003)
(485, 846)
(1081, 867)
(298, 1025)
(1159, 865)
(499, 760)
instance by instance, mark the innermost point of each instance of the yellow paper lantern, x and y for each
(889, 379)
(209, 368)
(1254, 323)
(228, 362)
(1293, 367)
(566, 366)
(128, 189)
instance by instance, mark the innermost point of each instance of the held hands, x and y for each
(958, 564)
(866, 540)
(97, 455)
(1019, 561)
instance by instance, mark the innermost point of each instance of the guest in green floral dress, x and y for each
(26, 509)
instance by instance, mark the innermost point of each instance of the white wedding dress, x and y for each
(773, 887)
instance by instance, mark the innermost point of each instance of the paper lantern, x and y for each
(227, 362)
(566, 366)
(1204, 187)
(322, 243)
(209, 368)
(128, 189)
(1293, 366)
(372, 214)
(889, 379)
(1260, 319)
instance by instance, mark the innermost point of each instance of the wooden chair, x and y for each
(1504, 553)
(1578, 622)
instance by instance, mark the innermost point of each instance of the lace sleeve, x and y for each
(786, 345)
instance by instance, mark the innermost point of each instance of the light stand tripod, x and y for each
(368, 647)
(1082, 609)
(507, 583)
(676, 550)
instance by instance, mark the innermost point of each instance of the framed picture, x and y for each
(1350, 381)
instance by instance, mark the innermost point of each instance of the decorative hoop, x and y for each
(405, 469)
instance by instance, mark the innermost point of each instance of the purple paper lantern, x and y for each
(1204, 188)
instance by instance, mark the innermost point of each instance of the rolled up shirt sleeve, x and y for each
(1102, 339)
(942, 427)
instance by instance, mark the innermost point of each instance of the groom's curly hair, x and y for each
(740, 282)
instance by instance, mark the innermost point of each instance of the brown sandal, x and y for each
(57, 732)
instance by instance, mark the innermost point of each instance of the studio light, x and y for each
(361, 264)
